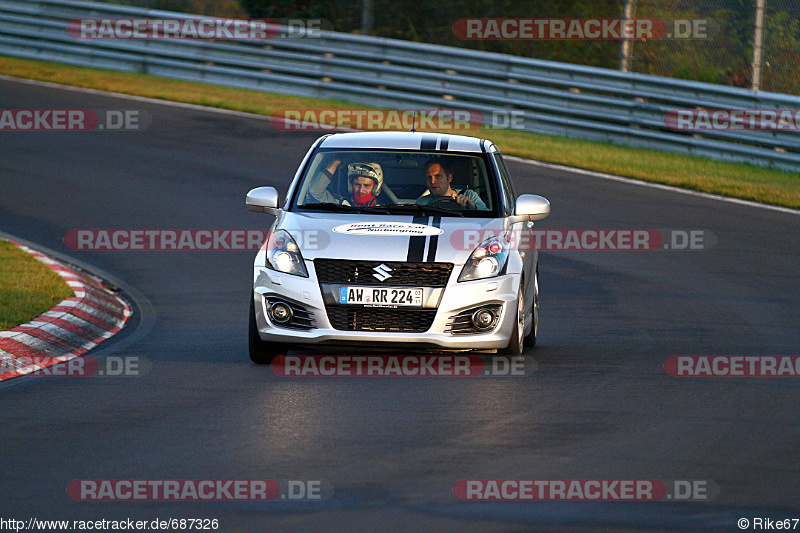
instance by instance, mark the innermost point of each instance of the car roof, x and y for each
(404, 140)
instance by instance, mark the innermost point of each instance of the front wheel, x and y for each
(261, 352)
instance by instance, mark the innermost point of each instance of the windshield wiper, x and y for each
(373, 209)
(328, 206)
(422, 208)
(388, 209)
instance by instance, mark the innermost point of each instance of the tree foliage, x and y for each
(724, 56)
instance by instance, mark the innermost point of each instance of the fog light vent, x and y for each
(280, 313)
(475, 320)
(289, 314)
(483, 319)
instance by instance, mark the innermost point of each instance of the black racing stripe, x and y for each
(437, 221)
(416, 245)
(445, 141)
(428, 142)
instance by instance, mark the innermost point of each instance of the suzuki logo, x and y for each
(382, 272)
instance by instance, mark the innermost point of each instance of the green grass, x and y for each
(28, 287)
(698, 173)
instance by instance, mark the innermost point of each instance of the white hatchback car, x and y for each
(397, 239)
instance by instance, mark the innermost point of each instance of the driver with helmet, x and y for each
(364, 183)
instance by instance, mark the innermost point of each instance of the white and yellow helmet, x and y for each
(372, 171)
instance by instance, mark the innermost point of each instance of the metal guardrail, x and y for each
(554, 98)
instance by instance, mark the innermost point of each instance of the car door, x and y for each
(523, 230)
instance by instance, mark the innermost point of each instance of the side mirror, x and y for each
(263, 200)
(532, 206)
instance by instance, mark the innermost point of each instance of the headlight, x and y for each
(486, 261)
(284, 255)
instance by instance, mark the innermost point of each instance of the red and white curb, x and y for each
(68, 330)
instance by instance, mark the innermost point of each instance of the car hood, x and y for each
(387, 237)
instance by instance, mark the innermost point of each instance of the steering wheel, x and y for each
(446, 200)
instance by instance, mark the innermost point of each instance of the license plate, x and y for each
(389, 296)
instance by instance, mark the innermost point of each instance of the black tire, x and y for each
(515, 345)
(530, 338)
(261, 352)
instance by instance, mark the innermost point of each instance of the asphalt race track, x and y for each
(596, 402)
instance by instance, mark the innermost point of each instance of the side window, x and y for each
(510, 197)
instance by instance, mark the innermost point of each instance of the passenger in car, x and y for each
(364, 182)
(438, 177)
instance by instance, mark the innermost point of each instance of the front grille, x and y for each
(402, 274)
(301, 317)
(380, 319)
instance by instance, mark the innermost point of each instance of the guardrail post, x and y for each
(758, 43)
(626, 48)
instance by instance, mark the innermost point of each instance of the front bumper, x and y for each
(455, 298)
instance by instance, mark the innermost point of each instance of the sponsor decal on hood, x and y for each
(402, 229)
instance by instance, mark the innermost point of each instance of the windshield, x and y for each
(382, 181)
